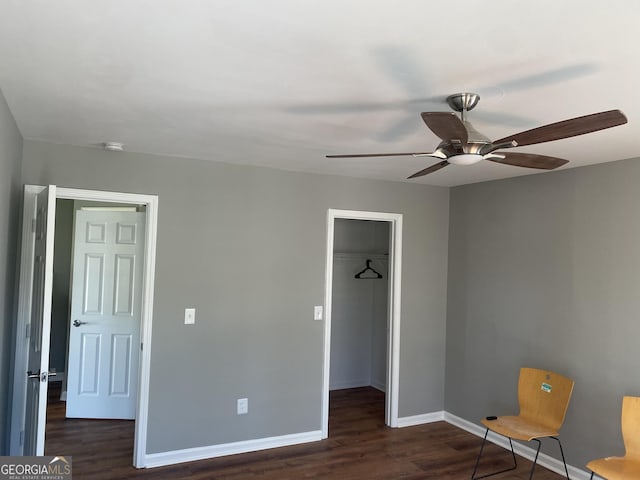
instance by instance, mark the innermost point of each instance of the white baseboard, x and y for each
(349, 384)
(358, 384)
(421, 419)
(527, 452)
(212, 451)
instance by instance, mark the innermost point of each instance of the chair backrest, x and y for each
(631, 426)
(544, 396)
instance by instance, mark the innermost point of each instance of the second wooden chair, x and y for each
(627, 467)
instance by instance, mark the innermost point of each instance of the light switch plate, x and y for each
(243, 406)
(189, 316)
(317, 312)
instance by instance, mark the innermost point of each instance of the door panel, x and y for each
(124, 285)
(120, 365)
(89, 363)
(40, 325)
(93, 287)
(104, 337)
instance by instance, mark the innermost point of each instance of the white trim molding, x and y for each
(529, 453)
(421, 419)
(393, 340)
(212, 451)
(24, 308)
(151, 204)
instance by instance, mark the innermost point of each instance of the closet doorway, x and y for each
(362, 306)
(359, 307)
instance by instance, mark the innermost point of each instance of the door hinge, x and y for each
(21, 437)
(33, 225)
(141, 344)
(27, 330)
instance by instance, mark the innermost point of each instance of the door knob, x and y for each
(43, 377)
(77, 323)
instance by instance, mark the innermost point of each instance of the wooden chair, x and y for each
(627, 467)
(543, 397)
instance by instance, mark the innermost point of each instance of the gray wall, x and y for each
(360, 236)
(10, 154)
(544, 271)
(246, 247)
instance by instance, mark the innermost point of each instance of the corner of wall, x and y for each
(11, 145)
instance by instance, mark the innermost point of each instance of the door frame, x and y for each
(393, 310)
(18, 414)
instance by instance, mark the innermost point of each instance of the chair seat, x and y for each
(519, 428)
(615, 468)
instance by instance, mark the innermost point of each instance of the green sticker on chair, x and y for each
(546, 387)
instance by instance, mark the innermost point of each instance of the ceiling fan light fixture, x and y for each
(465, 159)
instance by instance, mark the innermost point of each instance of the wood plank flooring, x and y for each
(359, 446)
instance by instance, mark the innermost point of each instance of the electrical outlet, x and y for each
(243, 406)
(189, 316)
(317, 312)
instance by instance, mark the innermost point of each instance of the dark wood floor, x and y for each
(359, 446)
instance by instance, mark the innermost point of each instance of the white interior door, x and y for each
(40, 324)
(104, 337)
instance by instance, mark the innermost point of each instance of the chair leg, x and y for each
(515, 463)
(566, 470)
(535, 460)
(475, 469)
(591, 477)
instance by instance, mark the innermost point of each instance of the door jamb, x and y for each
(393, 345)
(24, 310)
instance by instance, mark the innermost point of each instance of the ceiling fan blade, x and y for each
(446, 125)
(433, 168)
(568, 128)
(359, 155)
(529, 160)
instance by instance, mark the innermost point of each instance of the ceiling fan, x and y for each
(463, 145)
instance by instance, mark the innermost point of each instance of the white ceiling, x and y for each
(281, 83)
